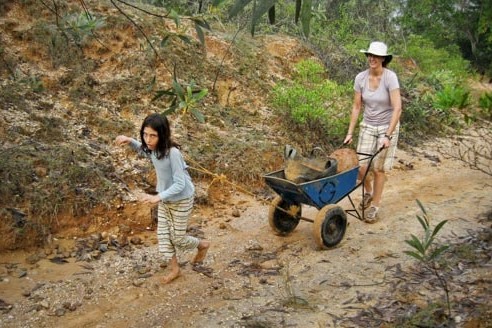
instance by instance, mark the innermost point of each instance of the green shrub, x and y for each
(430, 59)
(485, 103)
(82, 26)
(451, 97)
(313, 103)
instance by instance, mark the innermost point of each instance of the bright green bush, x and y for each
(451, 97)
(485, 103)
(430, 60)
(313, 101)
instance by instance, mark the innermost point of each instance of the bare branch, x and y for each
(136, 25)
(143, 10)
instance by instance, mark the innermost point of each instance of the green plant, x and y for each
(184, 98)
(32, 81)
(260, 8)
(485, 103)
(427, 253)
(430, 59)
(81, 26)
(314, 103)
(451, 97)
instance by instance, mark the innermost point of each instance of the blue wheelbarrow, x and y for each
(330, 224)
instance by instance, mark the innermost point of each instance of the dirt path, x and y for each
(257, 279)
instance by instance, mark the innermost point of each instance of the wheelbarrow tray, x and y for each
(317, 193)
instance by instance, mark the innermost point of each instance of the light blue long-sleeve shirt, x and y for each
(173, 180)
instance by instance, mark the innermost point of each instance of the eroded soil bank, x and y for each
(253, 278)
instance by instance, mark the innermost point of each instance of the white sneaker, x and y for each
(371, 215)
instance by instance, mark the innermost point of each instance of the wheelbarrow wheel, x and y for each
(329, 226)
(284, 215)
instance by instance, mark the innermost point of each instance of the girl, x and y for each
(174, 188)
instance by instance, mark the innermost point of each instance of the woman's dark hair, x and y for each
(160, 124)
(386, 61)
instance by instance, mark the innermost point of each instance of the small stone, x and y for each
(136, 240)
(32, 259)
(60, 312)
(138, 282)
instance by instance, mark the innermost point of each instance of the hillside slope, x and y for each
(65, 96)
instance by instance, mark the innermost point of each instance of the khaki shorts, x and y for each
(369, 143)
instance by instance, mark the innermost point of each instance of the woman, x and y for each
(175, 191)
(377, 91)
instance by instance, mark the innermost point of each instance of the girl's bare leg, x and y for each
(175, 271)
(202, 251)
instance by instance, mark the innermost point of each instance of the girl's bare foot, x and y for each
(175, 271)
(202, 251)
(171, 276)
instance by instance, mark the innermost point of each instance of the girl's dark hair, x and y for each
(160, 124)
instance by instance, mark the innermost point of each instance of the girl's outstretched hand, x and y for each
(148, 199)
(122, 140)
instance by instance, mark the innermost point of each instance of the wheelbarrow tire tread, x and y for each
(329, 226)
(283, 223)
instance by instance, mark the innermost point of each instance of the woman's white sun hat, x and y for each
(379, 49)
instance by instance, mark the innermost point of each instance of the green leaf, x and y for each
(202, 23)
(200, 94)
(423, 222)
(179, 91)
(421, 207)
(306, 17)
(238, 7)
(415, 243)
(298, 10)
(413, 254)
(182, 105)
(165, 41)
(438, 227)
(151, 85)
(271, 15)
(169, 111)
(161, 93)
(175, 16)
(215, 3)
(199, 116)
(253, 23)
(199, 33)
(186, 39)
(436, 253)
(261, 9)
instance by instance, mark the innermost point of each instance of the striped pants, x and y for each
(172, 221)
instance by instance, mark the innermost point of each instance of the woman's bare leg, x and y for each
(367, 181)
(379, 180)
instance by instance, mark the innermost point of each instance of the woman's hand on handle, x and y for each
(385, 142)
